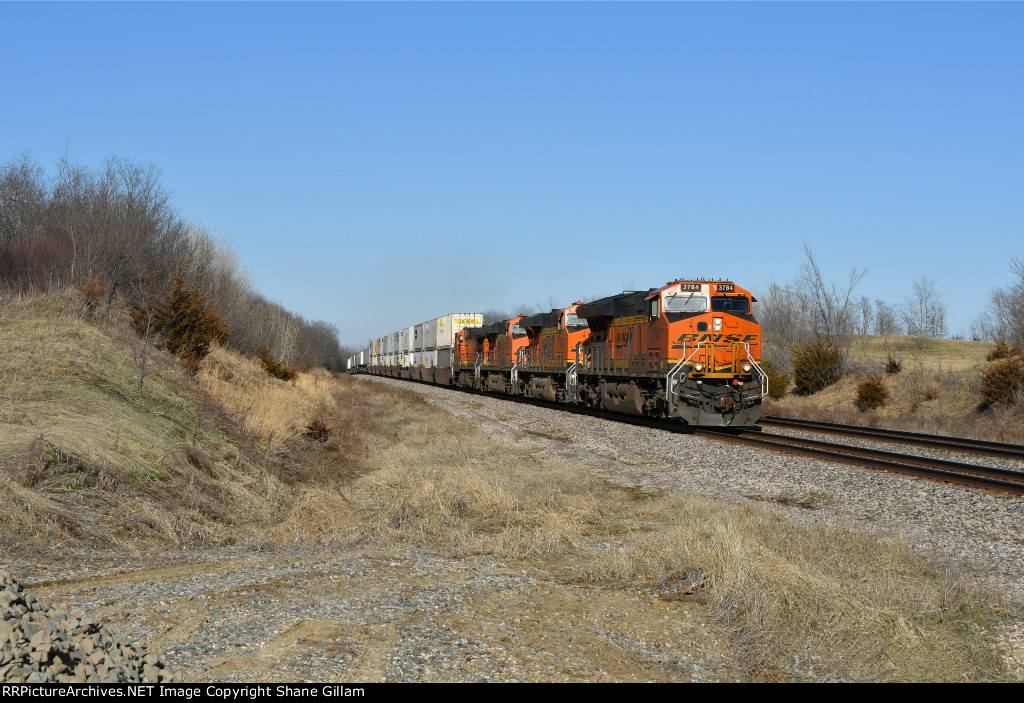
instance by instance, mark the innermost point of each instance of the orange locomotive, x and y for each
(689, 350)
(485, 357)
(542, 365)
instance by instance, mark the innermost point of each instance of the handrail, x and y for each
(571, 389)
(762, 376)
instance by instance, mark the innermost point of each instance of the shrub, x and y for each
(816, 365)
(893, 365)
(778, 380)
(1003, 382)
(92, 294)
(276, 367)
(1001, 350)
(186, 321)
(317, 429)
(871, 394)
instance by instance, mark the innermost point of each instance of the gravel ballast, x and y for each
(981, 532)
(402, 612)
(59, 644)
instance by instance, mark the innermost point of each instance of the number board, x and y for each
(725, 288)
(689, 286)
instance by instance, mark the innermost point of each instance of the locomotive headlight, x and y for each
(698, 367)
(718, 324)
(746, 368)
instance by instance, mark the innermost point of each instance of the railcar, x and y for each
(689, 351)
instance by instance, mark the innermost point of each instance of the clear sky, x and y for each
(378, 164)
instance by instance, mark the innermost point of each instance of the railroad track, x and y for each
(964, 445)
(989, 478)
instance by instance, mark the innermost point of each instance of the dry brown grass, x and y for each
(938, 391)
(938, 354)
(840, 600)
(116, 467)
(265, 407)
(86, 459)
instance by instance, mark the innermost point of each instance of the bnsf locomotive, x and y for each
(689, 350)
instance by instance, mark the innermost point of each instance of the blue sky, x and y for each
(379, 164)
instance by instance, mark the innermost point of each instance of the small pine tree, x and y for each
(318, 429)
(816, 365)
(274, 366)
(893, 365)
(871, 394)
(1003, 382)
(188, 324)
(778, 380)
(1001, 350)
(92, 294)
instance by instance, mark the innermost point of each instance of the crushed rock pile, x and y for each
(61, 645)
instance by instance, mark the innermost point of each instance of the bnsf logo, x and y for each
(696, 338)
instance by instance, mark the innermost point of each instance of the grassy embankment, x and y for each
(219, 460)
(937, 391)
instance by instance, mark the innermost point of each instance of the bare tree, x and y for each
(922, 312)
(1004, 319)
(865, 315)
(885, 318)
(830, 304)
(785, 321)
(114, 231)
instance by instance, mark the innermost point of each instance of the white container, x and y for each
(447, 326)
(417, 342)
(444, 358)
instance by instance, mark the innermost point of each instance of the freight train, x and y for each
(688, 351)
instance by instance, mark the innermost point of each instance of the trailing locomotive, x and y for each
(688, 350)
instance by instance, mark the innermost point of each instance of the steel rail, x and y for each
(944, 470)
(988, 478)
(966, 445)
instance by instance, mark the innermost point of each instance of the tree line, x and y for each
(114, 232)
(811, 306)
(809, 324)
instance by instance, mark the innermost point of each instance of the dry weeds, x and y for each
(938, 391)
(120, 468)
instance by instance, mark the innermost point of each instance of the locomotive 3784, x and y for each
(688, 350)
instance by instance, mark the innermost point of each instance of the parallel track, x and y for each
(987, 478)
(965, 445)
(954, 472)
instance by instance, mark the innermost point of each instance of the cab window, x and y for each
(686, 302)
(735, 304)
